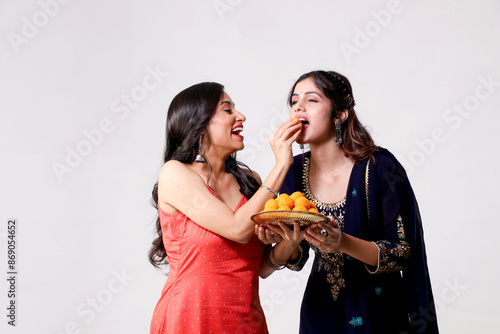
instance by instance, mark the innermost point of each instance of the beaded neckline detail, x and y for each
(308, 193)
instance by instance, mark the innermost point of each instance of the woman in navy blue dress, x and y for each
(370, 270)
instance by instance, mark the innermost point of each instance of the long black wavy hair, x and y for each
(188, 119)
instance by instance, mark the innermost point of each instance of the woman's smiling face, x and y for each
(226, 125)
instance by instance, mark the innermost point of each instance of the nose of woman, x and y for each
(240, 116)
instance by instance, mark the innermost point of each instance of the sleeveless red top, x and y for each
(213, 285)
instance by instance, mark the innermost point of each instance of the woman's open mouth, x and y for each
(303, 121)
(237, 130)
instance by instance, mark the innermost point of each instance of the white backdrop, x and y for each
(84, 89)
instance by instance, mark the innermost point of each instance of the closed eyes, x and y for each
(310, 100)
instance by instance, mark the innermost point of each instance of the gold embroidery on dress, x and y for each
(389, 255)
(308, 193)
(331, 263)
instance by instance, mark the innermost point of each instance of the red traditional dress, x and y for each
(213, 285)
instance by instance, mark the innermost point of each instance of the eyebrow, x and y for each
(311, 92)
(227, 102)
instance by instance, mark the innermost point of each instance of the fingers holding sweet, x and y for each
(281, 140)
(285, 129)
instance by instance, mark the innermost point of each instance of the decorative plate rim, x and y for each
(304, 218)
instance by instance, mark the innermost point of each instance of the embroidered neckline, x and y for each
(308, 193)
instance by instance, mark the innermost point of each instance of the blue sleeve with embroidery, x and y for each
(394, 253)
(394, 249)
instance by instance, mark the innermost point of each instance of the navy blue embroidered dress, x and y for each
(343, 295)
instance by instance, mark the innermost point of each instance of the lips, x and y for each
(237, 130)
(303, 120)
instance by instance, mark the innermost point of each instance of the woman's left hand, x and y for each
(266, 235)
(326, 237)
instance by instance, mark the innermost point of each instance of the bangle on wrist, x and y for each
(296, 262)
(274, 192)
(274, 260)
(271, 262)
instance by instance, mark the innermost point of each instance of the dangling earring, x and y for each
(338, 132)
(199, 157)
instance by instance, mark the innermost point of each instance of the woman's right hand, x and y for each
(281, 141)
(289, 246)
(291, 237)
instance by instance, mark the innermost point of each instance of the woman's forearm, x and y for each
(245, 227)
(365, 251)
(279, 256)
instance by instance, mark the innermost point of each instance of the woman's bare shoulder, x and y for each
(175, 172)
(175, 166)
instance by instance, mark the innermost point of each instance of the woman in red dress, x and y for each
(205, 199)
